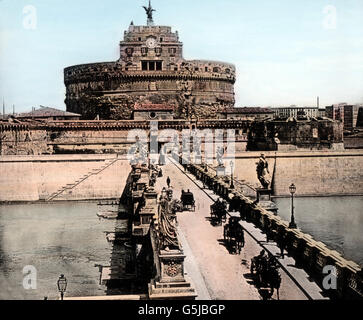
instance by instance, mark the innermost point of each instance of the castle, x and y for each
(152, 81)
(151, 70)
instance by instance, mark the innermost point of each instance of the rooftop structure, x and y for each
(48, 113)
(153, 112)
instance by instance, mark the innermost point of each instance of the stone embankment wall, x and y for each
(74, 177)
(19, 139)
(308, 253)
(315, 173)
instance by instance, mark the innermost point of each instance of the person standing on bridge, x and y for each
(281, 243)
(168, 182)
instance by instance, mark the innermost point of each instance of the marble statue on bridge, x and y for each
(219, 156)
(167, 222)
(263, 173)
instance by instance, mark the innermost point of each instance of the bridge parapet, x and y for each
(155, 220)
(310, 254)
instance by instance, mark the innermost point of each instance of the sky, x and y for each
(287, 52)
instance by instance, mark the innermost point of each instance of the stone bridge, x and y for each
(202, 267)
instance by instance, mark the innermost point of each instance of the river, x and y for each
(336, 221)
(58, 238)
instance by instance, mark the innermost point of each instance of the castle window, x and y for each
(215, 69)
(172, 51)
(151, 65)
(139, 39)
(129, 51)
(196, 69)
(161, 39)
(206, 69)
(144, 51)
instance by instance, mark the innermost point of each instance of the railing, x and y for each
(235, 181)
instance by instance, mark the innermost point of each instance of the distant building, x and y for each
(153, 112)
(246, 113)
(282, 135)
(294, 112)
(47, 113)
(350, 115)
(322, 113)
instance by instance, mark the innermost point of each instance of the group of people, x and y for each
(264, 262)
(220, 205)
(156, 172)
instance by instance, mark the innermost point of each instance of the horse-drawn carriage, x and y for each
(218, 212)
(188, 202)
(265, 271)
(235, 204)
(234, 235)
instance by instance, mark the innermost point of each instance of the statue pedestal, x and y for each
(264, 200)
(197, 159)
(172, 282)
(220, 171)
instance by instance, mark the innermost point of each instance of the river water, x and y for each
(59, 238)
(335, 221)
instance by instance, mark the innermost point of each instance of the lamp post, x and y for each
(232, 185)
(292, 224)
(62, 285)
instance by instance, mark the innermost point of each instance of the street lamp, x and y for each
(232, 185)
(62, 285)
(292, 224)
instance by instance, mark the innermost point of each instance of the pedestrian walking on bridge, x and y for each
(168, 182)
